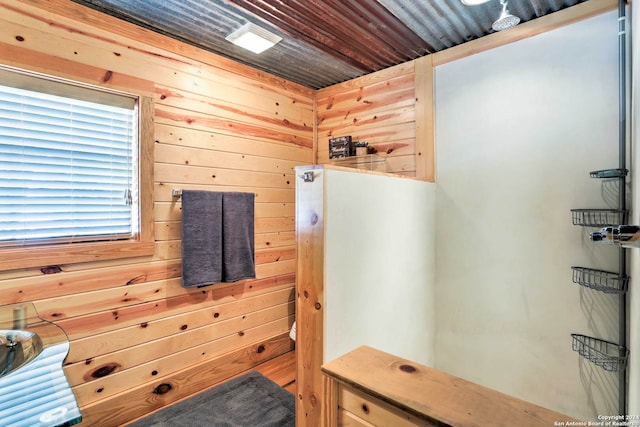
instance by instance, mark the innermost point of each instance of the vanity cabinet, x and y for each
(368, 387)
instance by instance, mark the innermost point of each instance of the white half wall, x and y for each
(518, 128)
(379, 265)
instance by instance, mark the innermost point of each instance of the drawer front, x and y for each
(360, 410)
(347, 419)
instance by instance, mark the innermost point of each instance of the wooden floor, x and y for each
(281, 370)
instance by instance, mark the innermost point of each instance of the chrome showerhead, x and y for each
(506, 20)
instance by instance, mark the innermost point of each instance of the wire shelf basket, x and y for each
(600, 280)
(609, 173)
(598, 217)
(609, 356)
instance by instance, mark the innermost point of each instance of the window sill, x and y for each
(42, 256)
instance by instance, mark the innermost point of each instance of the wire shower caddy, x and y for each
(600, 280)
(608, 355)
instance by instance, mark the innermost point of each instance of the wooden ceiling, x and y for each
(325, 41)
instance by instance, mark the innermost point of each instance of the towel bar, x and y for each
(177, 193)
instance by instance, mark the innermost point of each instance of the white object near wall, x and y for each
(378, 261)
(379, 265)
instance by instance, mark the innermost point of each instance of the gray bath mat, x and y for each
(247, 401)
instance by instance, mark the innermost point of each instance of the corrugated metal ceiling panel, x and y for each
(448, 23)
(325, 41)
(206, 23)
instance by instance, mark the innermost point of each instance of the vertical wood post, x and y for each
(310, 296)
(425, 138)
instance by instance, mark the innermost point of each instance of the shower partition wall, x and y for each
(365, 274)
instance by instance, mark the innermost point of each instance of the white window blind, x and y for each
(66, 163)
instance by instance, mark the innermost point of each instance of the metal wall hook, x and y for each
(307, 176)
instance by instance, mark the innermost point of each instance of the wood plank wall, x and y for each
(378, 108)
(134, 331)
(138, 339)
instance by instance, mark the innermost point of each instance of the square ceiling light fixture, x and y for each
(253, 38)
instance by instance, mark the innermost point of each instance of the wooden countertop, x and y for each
(431, 395)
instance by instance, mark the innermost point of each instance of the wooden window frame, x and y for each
(142, 244)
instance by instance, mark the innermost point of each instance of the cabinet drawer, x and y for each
(347, 419)
(359, 409)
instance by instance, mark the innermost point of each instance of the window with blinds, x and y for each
(68, 161)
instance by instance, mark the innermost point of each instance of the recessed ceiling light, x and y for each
(253, 38)
(473, 2)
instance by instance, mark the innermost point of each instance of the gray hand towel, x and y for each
(201, 238)
(238, 236)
